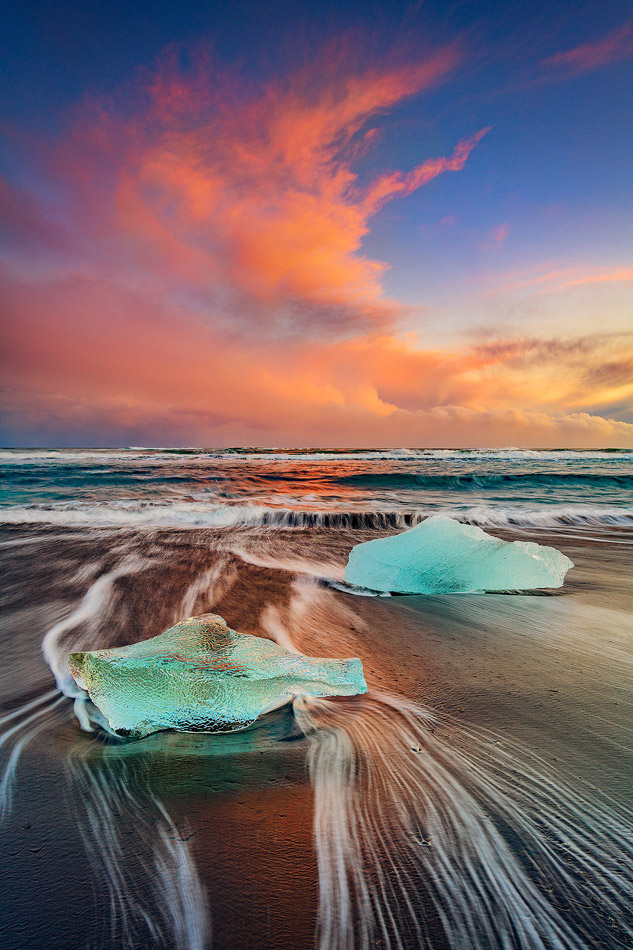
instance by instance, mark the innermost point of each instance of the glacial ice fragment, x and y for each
(441, 555)
(202, 676)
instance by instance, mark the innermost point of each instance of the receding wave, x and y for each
(422, 835)
(189, 515)
(159, 902)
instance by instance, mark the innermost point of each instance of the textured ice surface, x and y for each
(201, 675)
(440, 555)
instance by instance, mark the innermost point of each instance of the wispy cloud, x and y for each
(400, 183)
(615, 46)
(553, 276)
(615, 372)
(500, 233)
(495, 238)
(597, 277)
(572, 372)
(534, 350)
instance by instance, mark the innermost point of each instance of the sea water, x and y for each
(210, 488)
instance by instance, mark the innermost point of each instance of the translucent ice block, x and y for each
(440, 555)
(201, 675)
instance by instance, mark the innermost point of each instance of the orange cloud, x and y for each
(216, 387)
(252, 189)
(195, 273)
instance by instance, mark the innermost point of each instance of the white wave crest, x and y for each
(135, 514)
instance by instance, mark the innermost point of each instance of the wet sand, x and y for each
(549, 672)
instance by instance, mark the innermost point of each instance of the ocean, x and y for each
(479, 796)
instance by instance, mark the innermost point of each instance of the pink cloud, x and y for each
(616, 45)
(495, 239)
(500, 233)
(596, 277)
(399, 183)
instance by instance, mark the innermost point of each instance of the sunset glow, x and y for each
(208, 252)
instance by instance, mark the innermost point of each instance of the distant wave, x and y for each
(59, 456)
(189, 515)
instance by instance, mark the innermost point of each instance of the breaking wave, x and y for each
(191, 515)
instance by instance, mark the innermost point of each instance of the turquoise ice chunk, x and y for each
(441, 556)
(202, 676)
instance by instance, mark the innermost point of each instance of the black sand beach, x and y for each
(184, 840)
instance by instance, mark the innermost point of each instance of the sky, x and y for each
(295, 224)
